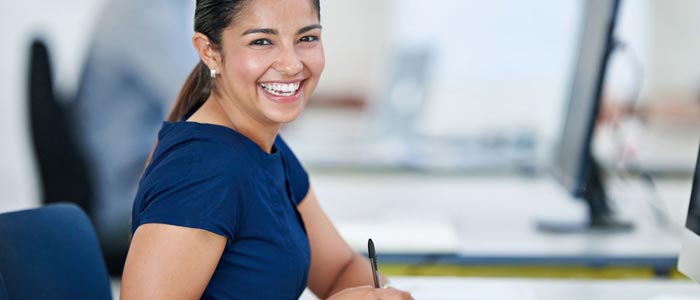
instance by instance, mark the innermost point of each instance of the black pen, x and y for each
(373, 262)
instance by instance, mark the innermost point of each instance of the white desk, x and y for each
(539, 289)
(454, 288)
(459, 288)
(493, 217)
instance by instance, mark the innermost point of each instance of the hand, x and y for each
(370, 293)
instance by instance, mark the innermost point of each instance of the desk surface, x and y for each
(458, 288)
(493, 217)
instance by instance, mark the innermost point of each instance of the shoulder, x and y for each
(281, 144)
(197, 145)
(200, 157)
(184, 155)
(197, 183)
(284, 149)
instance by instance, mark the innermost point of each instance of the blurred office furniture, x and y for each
(52, 252)
(138, 56)
(407, 90)
(62, 168)
(3, 290)
(689, 258)
(575, 166)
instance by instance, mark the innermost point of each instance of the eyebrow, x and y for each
(275, 32)
(309, 28)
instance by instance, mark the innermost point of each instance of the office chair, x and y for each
(51, 253)
(62, 167)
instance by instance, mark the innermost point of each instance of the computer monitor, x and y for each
(689, 259)
(574, 165)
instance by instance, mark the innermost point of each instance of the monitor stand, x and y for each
(600, 216)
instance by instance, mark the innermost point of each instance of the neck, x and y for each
(220, 112)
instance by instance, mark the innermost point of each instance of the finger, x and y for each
(393, 294)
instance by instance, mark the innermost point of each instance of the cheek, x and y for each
(321, 63)
(316, 61)
(247, 68)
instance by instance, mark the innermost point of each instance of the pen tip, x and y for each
(370, 247)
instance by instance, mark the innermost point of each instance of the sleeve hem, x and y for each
(306, 193)
(194, 224)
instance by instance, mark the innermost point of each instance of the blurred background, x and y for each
(431, 111)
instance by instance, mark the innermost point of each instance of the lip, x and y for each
(284, 99)
(284, 81)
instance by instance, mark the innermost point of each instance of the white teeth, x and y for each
(281, 89)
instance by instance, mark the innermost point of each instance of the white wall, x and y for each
(505, 64)
(675, 61)
(502, 63)
(356, 42)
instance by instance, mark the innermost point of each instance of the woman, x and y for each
(224, 209)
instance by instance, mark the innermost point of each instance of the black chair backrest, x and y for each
(51, 253)
(62, 167)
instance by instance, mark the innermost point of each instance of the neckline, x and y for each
(249, 144)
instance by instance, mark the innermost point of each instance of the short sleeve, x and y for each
(295, 172)
(193, 187)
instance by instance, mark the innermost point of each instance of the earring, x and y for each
(212, 73)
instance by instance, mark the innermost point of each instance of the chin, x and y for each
(284, 116)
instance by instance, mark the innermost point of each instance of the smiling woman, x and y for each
(224, 209)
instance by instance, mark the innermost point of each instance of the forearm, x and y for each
(358, 272)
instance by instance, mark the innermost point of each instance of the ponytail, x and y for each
(194, 92)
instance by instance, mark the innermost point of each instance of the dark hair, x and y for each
(211, 17)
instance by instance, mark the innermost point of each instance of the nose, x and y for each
(289, 62)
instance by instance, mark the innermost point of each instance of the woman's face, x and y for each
(272, 59)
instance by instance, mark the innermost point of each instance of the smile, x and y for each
(281, 89)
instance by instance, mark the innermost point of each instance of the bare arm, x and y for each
(334, 265)
(170, 262)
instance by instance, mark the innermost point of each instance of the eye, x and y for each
(309, 39)
(260, 42)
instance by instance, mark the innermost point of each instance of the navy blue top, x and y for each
(213, 178)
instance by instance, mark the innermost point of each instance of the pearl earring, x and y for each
(212, 73)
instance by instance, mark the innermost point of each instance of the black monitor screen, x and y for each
(595, 43)
(693, 220)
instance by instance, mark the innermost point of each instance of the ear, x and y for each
(207, 52)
